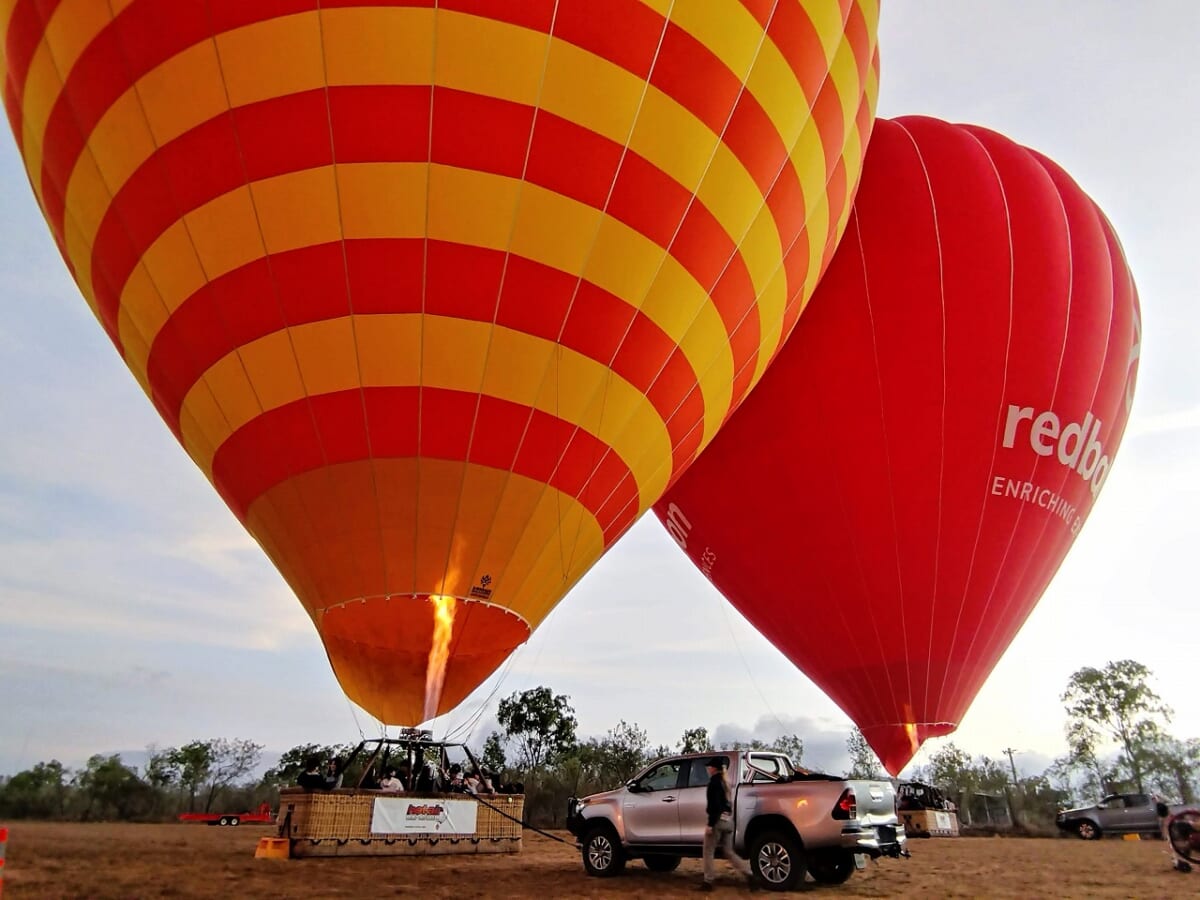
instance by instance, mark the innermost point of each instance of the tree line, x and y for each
(538, 747)
(1110, 707)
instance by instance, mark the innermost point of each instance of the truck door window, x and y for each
(1136, 801)
(661, 778)
(698, 773)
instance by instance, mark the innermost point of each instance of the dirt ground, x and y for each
(97, 861)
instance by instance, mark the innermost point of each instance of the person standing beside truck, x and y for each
(720, 827)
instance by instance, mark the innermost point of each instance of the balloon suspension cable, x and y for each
(354, 716)
(472, 720)
(729, 626)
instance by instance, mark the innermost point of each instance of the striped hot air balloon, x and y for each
(441, 296)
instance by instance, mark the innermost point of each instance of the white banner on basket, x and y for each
(409, 815)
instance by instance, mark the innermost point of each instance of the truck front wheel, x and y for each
(602, 854)
(1088, 830)
(778, 860)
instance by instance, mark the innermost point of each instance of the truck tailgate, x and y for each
(876, 802)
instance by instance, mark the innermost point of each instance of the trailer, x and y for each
(262, 814)
(925, 811)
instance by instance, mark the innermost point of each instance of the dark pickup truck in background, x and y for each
(1115, 814)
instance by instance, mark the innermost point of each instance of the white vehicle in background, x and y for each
(786, 822)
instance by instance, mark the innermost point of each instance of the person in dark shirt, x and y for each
(333, 775)
(720, 827)
(312, 778)
(370, 780)
(404, 773)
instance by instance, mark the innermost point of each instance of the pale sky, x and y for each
(135, 610)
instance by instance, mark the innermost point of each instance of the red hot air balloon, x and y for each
(892, 500)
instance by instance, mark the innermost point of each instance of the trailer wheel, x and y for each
(224, 820)
(778, 860)
(234, 820)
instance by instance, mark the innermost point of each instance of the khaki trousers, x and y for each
(722, 832)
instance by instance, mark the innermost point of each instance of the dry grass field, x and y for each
(97, 861)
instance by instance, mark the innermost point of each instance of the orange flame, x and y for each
(439, 652)
(910, 728)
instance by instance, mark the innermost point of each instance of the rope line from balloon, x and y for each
(525, 825)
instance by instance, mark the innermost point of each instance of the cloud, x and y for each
(824, 739)
(1164, 423)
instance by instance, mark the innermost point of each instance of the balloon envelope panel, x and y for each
(893, 499)
(441, 296)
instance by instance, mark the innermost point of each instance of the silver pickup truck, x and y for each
(785, 821)
(1117, 814)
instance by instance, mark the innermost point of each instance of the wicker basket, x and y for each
(338, 823)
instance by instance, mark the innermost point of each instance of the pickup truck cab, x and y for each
(785, 821)
(1116, 813)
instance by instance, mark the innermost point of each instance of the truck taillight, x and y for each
(847, 806)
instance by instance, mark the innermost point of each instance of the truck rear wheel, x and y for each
(602, 853)
(778, 860)
(831, 866)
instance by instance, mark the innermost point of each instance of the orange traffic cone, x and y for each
(3, 842)
(273, 848)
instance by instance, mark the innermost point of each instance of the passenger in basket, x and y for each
(473, 783)
(720, 827)
(404, 773)
(391, 783)
(429, 779)
(486, 783)
(312, 779)
(480, 781)
(456, 784)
